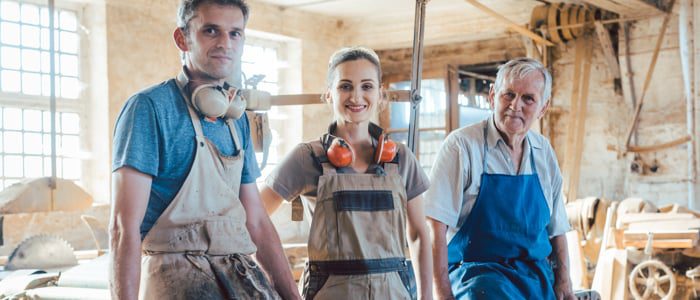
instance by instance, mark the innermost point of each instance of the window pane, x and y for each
(69, 65)
(47, 166)
(30, 14)
(47, 122)
(12, 118)
(33, 166)
(47, 144)
(10, 33)
(13, 142)
(70, 122)
(10, 58)
(10, 81)
(31, 60)
(45, 16)
(70, 87)
(68, 20)
(46, 85)
(57, 88)
(13, 166)
(45, 39)
(71, 168)
(45, 62)
(32, 120)
(31, 83)
(70, 145)
(69, 42)
(32, 143)
(9, 10)
(30, 36)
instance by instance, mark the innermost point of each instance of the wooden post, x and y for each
(694, 112)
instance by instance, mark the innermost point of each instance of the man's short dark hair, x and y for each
(187, 8)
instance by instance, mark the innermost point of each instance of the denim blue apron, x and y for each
(501, 250)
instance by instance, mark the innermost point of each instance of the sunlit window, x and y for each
(25, 87)
(262, 59)
(432, 119)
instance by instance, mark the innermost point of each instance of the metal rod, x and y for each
(52, 97)
(416, 73)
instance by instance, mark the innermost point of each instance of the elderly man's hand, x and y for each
(563, 289)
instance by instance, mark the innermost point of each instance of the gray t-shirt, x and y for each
(298, 174)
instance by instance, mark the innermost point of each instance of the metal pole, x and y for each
(416, 73)
(52, 51)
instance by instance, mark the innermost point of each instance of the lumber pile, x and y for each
(668, 229)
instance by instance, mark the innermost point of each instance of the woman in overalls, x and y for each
(364, 199)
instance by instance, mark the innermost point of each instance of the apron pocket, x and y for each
(313, 283)
(408, 279)
(363, 200)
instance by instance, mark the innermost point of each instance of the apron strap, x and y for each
(237, 147)
(486, 150)
(181, 82)
(318, 151)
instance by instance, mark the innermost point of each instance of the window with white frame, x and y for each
(25, 88)
(270, 58)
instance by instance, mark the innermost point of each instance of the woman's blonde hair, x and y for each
(350, 54)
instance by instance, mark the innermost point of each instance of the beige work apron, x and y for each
(199, 247)
(357, 238)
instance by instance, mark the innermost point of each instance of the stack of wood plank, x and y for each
(671, 229)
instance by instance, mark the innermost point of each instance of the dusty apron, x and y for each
(199, 247)
(501, 251)
(357, 238)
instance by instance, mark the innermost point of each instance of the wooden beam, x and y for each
(647, 81)
(657, 147)
(512, 25)
(662, 244)
(627, 7)
(304, 99)
(608, 51)
(581, 122)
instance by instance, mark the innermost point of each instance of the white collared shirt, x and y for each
(456, 175)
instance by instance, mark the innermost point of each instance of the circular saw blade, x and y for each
(42, 252)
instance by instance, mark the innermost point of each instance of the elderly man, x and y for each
(495, 204)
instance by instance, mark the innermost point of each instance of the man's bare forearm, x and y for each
(125, 255)
(130, 190)
(560, 257)
(275, 262)
(443, 289)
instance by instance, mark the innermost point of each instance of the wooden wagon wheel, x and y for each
(655, 278)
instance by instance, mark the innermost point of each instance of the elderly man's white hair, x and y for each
(521, 67)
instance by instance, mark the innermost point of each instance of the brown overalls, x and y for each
(199, 247)
(358, 234)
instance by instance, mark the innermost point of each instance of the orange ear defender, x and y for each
(386, 149)
(340, 154)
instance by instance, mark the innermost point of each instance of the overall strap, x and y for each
(486, 150)
(318, 152)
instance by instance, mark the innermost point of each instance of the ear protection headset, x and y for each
(340, 154)
(213, 100)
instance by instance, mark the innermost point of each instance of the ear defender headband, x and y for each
(213, 100)
(340, 154)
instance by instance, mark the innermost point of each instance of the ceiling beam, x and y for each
(628, 7)
(512, 25)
